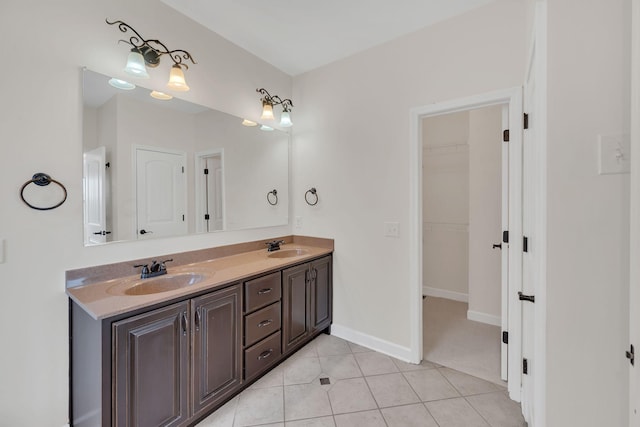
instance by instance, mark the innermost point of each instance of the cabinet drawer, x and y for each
(262, 355)
(262, 323)
(261, 291)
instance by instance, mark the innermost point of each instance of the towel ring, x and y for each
(42, 179)
(273, 192)
(313, 193)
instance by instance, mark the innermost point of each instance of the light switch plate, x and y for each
(298, 223)
(391, 229)
(614, 153)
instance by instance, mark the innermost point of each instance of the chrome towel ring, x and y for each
(313, 193)
(273, 193)
(42, 179)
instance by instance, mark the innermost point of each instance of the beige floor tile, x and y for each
(355, 348)
(314, 422)
(455, 413)
(341, 366)
(429, 384)
(374, 363)
(498, 409)
(273, 378)
(305, 401)
(301, 370)
(406, 367)
(361, 419)
(223, 416)
(328, 345)
(260, 406)
(391, 390)
(351, 395)
(468, 385)
(408, 416)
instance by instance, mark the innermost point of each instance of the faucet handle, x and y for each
(145, 268)
(164, 267)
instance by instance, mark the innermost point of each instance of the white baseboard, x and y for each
(489, 319)
(443, 293)
(374, 343)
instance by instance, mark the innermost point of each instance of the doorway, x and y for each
(512, 99)
(462, 233)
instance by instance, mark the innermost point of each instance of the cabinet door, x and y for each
(150, 368)
(296, 318)
(321, 293)
(217, 345)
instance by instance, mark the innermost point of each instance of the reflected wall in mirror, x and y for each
(157, 168)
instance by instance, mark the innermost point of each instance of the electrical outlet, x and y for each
(298, 223)
(391, 229)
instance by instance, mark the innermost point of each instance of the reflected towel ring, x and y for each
(313, 193)
(42, 179)
(273, 192)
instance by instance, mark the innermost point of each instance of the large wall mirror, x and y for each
(157, 168)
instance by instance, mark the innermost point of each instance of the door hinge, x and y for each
(631, 355)
(182, 218)
(182, 169)
(505, 135)
(505, 236)
(525, 366)
(206, 217)
(505, 337)
(206, 171)
(525, 244)
(525, 120)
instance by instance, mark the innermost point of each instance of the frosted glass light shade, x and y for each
(249, 123)
(267, 111)
(135, 65)
(266, 128)
(285, 120)
(160, 95)
(176, 79)
(121, 84)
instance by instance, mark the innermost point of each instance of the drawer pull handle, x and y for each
(265, 323)
(265, 354)
(264, 291)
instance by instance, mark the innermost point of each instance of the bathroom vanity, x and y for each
(168, 351)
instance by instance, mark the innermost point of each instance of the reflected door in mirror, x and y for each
(95, 211)
(160, 193)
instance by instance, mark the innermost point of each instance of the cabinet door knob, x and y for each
(184, 323)
(197, 319)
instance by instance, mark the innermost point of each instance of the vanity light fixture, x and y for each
(147, 53)
(121, 84)
(269, 101)
(249, 123)
(160, 95)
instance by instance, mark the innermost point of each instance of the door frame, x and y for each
(513, 98)
(199, 185)
(634, 219)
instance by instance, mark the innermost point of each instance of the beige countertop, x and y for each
(107, 298)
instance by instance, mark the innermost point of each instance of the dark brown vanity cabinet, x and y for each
(216, 357)
(173, 365)
(150, 378)
(306, 301)
(154, 367)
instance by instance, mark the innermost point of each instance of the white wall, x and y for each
(485, 203)
(588, 215)
(40, 130)
(445, 206)
(352, 144)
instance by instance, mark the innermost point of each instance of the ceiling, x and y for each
(296, 36)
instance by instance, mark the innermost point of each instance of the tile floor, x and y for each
(367, 389)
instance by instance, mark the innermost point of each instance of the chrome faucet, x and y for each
(156, 269)
(274, 245)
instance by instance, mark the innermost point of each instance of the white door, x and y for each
(531, 245)
(504, 276)
(213, 186)
(160, 193)
(95, 211)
